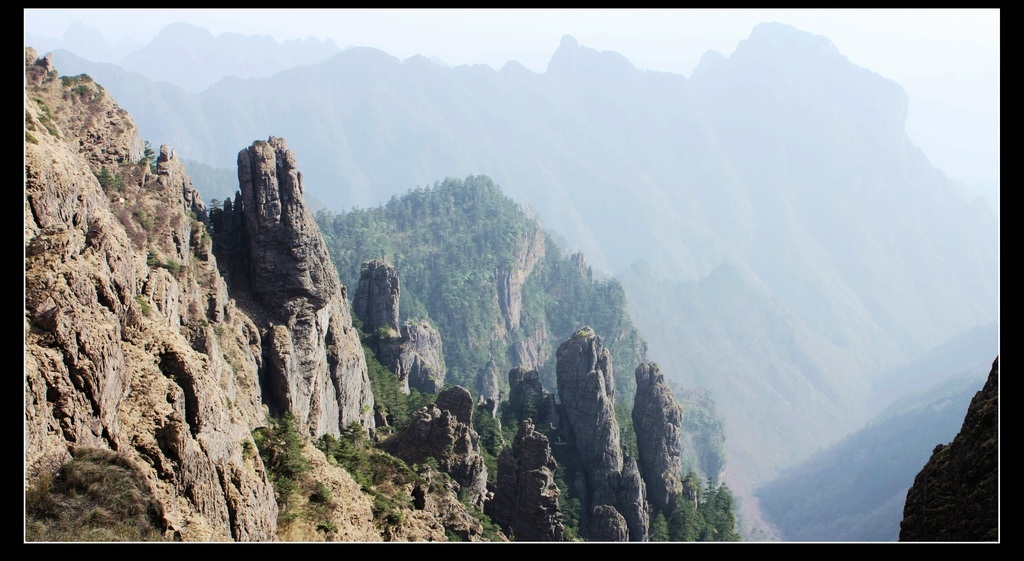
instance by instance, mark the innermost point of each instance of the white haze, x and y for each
(946, 59)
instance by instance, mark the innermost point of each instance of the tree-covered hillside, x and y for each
(453, 244)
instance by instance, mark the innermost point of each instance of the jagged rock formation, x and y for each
(459, 402)
(658, 421)
(414, 352)
(605, 524)
(955, 497)
(272, 250)
(586, 390)
(131, 343)
(528, 400)
(525, 501)
(416, 357)
(376, 299)
(444, 431)
(632, 500)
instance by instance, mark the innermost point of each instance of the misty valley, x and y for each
(313, 294)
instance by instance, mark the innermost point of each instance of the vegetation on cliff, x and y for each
(451, 243)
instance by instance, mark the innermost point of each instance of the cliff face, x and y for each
(413, 352)
(131, 343)
(376, 299)
(955, 497)
(658, 422)
(278, 265)
(586, 390)
(526, 497)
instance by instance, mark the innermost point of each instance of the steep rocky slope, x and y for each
(131, 343)
(784, 144)
(413, 350)
(613, 494)
(225, 371)
(955, 497)
(136, 345)
(278, 265)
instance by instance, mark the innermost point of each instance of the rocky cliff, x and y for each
(586, 390)
(955, 497)
(414, 351)
(279, 267)
(658, 421)
(376, 299)
(444, 431)
(527, 399)
(525, 501)
(131, 343)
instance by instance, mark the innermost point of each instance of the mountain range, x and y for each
(775, 230)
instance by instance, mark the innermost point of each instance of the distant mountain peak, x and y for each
(770, 38)
(571, 57)
(708, 62)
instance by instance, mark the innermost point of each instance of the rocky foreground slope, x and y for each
(131, 341)
(150, 362)
(955, 497)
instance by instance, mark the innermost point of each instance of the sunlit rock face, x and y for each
(586, 391)
(315, 365)
(658, 422)
(131, 344)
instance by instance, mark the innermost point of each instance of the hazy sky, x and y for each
(920, 49)
(946, 59)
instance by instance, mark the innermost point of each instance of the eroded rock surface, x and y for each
(525, 501)
(439, 433)
(586, 390)
(376, 298)
(131, 343)
(413, 351)
(955, 497)
(278, 264)
(658, 423)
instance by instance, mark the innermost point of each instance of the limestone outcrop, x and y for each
(413, 351)
(586, 390)
(509, 282)
(658, 423)
(527, 398)
(525, 501)
(444, 431)
(131, 343)
(416, 357)
(955, 497)
(278, 265)
(376, 298)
